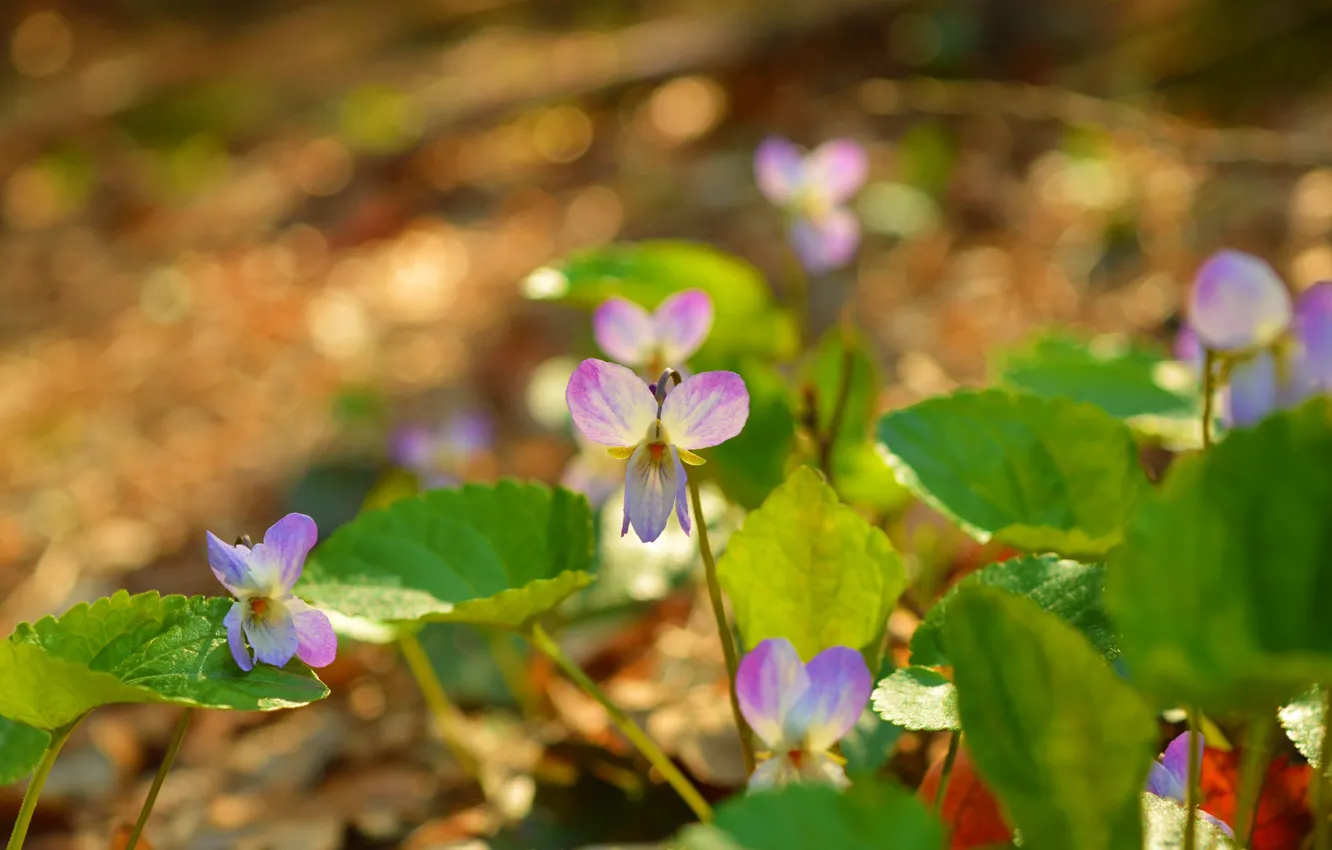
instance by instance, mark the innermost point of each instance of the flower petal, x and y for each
(828, 242)
(236, 639)
(779, 169)
(770, 679)
(821, 768)
(1163, 783)
(1217, 822)
(1238, 302)
(231, 565)
(650, 485)
(1252, 392)
(468, 433)
(839, 687)
(412, 447)
(1176, 760)
(682, 323)
(316, 644)
(681, 491)
(277, 562)
(273, 637)
(774, 773)
(1188, 349)
(1313, 322)
(609, 403)
(707, 409)
(624, 331)
(836, 170)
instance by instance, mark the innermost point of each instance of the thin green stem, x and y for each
(636, 736)
(797, 297)
(1257, 752)
(162, 770)
(723, 626)
(29, 805)
(954, 742)
(1209, 396)
(448, 719)
(1193, 791)
(1322, 787)
(511, 667)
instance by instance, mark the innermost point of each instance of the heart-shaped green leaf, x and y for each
(807, 568)
(1040, 474)
(144, 648)
(870, 815)
(1218, 589)
(746, 321)
(1063, 742)
(1069, 590)
(919, 699)
(21, 747)
(494, 555)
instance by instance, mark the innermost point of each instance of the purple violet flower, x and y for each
(614, 407)
(437, 456)
(1238, 303)
(666, 337)
(1169, 777)
(812, 188)
(800, 710)
(277, 624)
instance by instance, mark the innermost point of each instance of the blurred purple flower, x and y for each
(812, 188)
(614, 407)
(277, 624)
(666, 337)
(437, 455)
(1169, 777)
(1238, 303)
(800, 710)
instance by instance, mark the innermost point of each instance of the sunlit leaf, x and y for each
(917, 698)
(1164, 822)
(1303, 721)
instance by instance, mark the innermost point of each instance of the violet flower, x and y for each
(664, 338)
(612, 406)
(800, 710)
(1238, 303)
(812, 188)
(1169, 777)
(277, 624)
(436, 456)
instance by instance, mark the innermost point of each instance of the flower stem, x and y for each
(511, 666)
(1209, 396)
(645, 745)
(162, 770)
(723, 627)
(1193, 791)
(954, 742)
(29, 805)
(448, 719)
(1257, 751)
(797, 297)
(1322, 787)
(828, 439)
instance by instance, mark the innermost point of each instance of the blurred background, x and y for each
(247, 245)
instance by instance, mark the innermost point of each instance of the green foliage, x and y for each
(870, 815)
(808, 568)
(21, 747)
(144, 648)
(869, 745)
(917, 698)
(1216, 590)
(747, 322)
(496, 555)
(1069, 590)
(752, 464)
(1062, 741)
(1164, 822)
(1040, 474)
(1302, 719)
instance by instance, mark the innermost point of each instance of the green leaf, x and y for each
(750, 465)
(21, 747)
(746, 321)
(1164, 822)
(807, 568)
(1217, 588)
(1063, 742)
(919, 699)
(494, 555)
(1039, 474)
(1303, 721)
(144, 648)
(870, 815)
(869, 745)
(1123, 379)
(1069, 590)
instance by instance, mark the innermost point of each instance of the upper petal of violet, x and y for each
(770, 679)
(839, 687)
(682, 322)
(624, 331)
(836, 170)
(276, 563)
(610, 404)
(1313, 326)
(828, 242)
(1238, 302)
(316, 644)
(231, 565)
(706, 409)
(779, 169)
(1163, 783)
(1176, 758)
